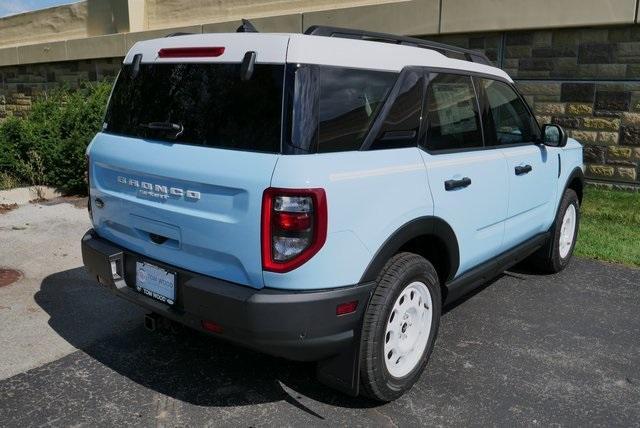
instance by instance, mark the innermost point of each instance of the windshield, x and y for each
(203, 104)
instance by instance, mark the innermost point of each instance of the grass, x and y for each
(610, 226)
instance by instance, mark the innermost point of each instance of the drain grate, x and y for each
(9, 276)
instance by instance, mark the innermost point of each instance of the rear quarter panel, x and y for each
(369, 196)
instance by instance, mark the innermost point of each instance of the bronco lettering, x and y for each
(158, 190)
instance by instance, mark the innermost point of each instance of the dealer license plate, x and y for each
(155, 282)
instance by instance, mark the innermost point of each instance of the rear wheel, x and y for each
(400, 326)
(557, 253)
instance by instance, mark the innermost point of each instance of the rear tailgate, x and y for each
(214, 232)
(187, 151)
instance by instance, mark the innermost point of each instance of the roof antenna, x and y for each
(246, 27)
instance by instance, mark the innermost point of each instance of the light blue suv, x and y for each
(321, 196)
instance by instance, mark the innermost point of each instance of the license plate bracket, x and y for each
(156, 282)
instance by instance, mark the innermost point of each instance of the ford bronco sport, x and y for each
(321, 196)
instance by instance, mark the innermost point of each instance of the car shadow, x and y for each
(520, 271)
(188, 365)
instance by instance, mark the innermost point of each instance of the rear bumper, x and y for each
(295, 325)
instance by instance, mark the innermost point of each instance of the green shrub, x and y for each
(7, 181)
(16, 140)
(33, 169)
(58, 129)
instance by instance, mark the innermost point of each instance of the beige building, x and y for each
(87, 26)
(577, 61)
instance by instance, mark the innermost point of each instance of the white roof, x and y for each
(305, 49)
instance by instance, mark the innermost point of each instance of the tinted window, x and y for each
(507, 120)
(333, 108)
(303, 93)
(402, 119)
(208, 101)
(349, 101)
(452, 114)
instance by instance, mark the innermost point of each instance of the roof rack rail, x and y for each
(447, 50)
(178, 34)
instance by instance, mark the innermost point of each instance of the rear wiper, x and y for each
(174, 129)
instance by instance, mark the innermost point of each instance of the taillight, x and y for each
(294, 227)
(195, 52)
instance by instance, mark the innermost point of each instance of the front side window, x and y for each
(203, 104)
(507, 120)
(453, 122)
(332, 108)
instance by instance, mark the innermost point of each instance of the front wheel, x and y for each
(400, 327)
(555, 256)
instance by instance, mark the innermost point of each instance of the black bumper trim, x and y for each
(299, 326)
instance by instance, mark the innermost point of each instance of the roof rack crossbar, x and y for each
(246, 27)
(447, 50)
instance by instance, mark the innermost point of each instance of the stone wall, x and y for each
(604, 116)
(19, 84)
(585, 79)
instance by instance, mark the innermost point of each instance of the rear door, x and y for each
(532, 172)
(186, 151)
(468, 183)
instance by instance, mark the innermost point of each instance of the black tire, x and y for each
(548, 258)
(400, 271)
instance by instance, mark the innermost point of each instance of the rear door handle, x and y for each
(521, 170)
(457, 184)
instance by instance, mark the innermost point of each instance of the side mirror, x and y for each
(554, 136)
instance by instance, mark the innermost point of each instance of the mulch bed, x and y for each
(5, 208)
(9, 276)
(76, 201)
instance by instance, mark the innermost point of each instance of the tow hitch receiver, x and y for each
(151, 321)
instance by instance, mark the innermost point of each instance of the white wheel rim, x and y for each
(408, 329)
(567, 231)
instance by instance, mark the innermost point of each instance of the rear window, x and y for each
(203, 104)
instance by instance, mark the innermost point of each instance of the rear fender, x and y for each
(422, 226)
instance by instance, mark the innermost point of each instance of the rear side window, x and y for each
(402, 119)
(334, 107)
(507, 120)
(349, 102)
(203, 104)
(452, 114)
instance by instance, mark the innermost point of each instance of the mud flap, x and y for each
(342, 371)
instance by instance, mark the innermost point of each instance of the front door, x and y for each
(531, 168)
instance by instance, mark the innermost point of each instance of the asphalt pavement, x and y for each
(524, 350)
